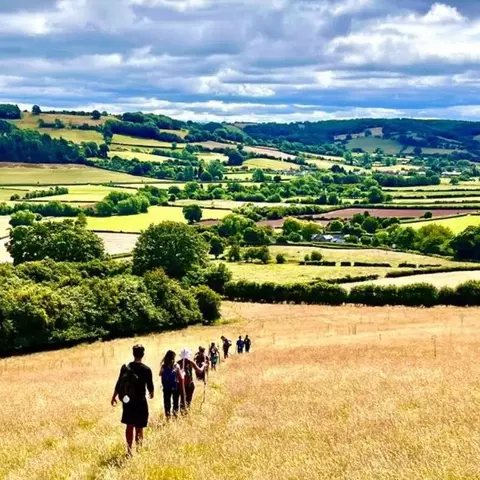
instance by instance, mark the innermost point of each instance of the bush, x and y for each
(316, 256)
(407, 265)
(209, 303)
(345, 264)
(371, 264)
(281, 259)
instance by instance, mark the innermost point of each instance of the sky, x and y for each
(244, 60)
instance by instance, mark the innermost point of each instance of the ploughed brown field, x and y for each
(326, 393)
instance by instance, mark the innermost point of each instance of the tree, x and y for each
(64, 241)
(206, 177)
(281, 259)
(428, 215)
(235, 253)
(217, 246)
(309, 229)
(235, 158)
(234, 224)
(466, 245)
(192, 213)
(103, 150)
(375, 195)
(24, 217)
(434, 239)
(258, 175)
(370, 224)
(36, 110)
(173, 246)
(291, 225)
(96, 115)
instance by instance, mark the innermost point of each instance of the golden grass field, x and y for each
(456, 224)
(268, 164)
(327, 393)
(31, 121)
(144, 142)
(58, 174)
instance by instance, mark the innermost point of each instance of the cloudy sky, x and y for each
(249, 60)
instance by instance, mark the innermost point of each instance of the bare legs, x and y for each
(129, 434)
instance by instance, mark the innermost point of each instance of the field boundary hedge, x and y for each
(323, 293)
(428, 271)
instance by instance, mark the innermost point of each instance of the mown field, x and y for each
(137, 223)
(75, 136)
(391, 393)
(447, 279)
(86, 193)
(456, 224)
(57, 174)
(268, 164)
(142, 156)
(144, 142)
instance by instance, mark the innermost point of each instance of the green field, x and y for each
(433, 151)
(269, 152)
(372, 255)
(143, 157)
(137, 223)
(401, 167)
(327, 164)
(434, 201)
(370, 144)
(179, 133)
(86, 193)
(6, 193)
(456, 224)
(31, 121)
(267, 164)
(293, 273)
(4, 225)
(144, 142)
(58, 174)
(75, 136)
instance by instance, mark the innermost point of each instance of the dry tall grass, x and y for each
(343, 393)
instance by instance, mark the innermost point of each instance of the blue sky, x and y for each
(246, 60)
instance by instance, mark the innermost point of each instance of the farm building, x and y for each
(329, 238)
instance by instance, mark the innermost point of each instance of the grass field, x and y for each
(4, 225)
(294, 273)
(116, 243)
(270, 152)
(433, 201)
(210, 157)
(58, 174)
(448, 279)
(433, 151)
(144, 157)
(457, 224)
(267, 164)
(179, 133)
(443, 187)
(86, 193)
(31, 121)
(372, 255)
(137, 223)
(381, 401)
(144, 142)
(370, 144)
(75, 136)
(6, 193)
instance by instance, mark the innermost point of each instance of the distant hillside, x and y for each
(391, 135)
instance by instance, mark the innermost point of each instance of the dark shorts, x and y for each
(135, 413)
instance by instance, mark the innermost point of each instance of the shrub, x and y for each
(316, 256)
(281, 259)
(370, 264)
(418, 295)
(209, 303)
(306, 258)
(345, 264)
(407, 265)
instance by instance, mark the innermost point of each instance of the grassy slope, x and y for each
(56, 174)
(137, 223)
(125, 140)
(370, 144)
(311, 401)
(31, 121)
(86, 193)
(266, 163)
(457, 224)
(144, 157)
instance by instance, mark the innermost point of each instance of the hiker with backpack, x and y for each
(202, 360)
(214, 355)
(240, 345)
(187, 366)
(248, 343)
(133, 381)
(171, 383)
(226, 346)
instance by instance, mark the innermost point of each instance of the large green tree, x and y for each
(466, 245)
(66, 241)
(173, 246)
(192, 213)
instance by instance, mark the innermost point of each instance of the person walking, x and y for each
(133, 382)
(248, 343)
(202, 360)
(240, 345)
(214, 356)
(226, 344)
(187, 366)
(171, 382)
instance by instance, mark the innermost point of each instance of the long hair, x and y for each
(168, 359)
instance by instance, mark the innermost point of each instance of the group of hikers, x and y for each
(177, 380)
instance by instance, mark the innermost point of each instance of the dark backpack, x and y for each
(127, 383)
(169, 378)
